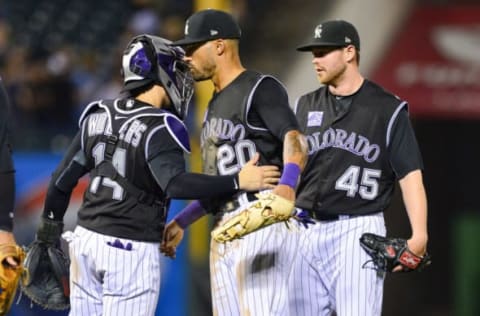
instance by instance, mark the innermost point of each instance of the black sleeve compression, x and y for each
(167, 164)
(271, 101)
(178, 184)
(7, 170)
(199, 186)
(63, 181)
(7, 200)
(405, 154)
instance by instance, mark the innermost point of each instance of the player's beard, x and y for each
(203, 71)
(331, 76)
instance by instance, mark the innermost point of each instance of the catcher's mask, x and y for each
(151, 59)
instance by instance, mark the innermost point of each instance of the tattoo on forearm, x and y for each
(295, 148)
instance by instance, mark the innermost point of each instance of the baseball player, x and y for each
(7, 174)
(133, 149)
(360, 143)
(248, 113)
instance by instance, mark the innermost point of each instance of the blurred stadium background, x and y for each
(57, 55)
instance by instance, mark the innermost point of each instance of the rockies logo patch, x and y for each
(315, 118)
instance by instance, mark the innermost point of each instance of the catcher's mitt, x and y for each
(48, 285)
(267, 210)
(10, 276)
(387, 253)
(47, 266)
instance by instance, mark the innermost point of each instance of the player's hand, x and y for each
(417, 245)
(8, 238)
(255, 178)
(172, 236)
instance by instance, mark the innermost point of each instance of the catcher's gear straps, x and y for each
(106, 169)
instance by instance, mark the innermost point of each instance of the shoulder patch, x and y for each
(178, 130)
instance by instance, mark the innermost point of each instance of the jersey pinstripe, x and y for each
(328, 274)
(104, 278)
(248, 276)
(133, 124)
(347, 184)
(116, 242)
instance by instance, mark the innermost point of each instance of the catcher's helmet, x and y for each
(151, 59)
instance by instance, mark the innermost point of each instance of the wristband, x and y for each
(190, 214)
(291, 172)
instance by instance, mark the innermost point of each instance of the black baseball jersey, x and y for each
(6, 164)
(136, 166)
(245, 118)
(7, 180)
(250, 115)
(107, 208)
(352, 167)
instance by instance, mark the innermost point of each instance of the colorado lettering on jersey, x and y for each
(219, 128)
(231, 148)
(339, 138)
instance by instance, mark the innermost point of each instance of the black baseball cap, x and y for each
(333, 33)
(207, 25)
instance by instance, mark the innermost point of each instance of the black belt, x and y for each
(331, 217)
(232, 205)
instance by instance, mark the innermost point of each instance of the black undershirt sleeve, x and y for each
(167, 164)
(6, 161)
(405, 155)
(7, 198)
(63, 181)
(271, 101)
(7, 170)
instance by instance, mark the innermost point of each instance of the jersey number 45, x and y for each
(355, 180)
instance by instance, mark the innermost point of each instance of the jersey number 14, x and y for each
(119, 159)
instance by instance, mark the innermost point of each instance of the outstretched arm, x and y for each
(251, 177)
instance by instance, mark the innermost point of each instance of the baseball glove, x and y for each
(267, 210)
(10, 276)
(47, 266)
(387, 253)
